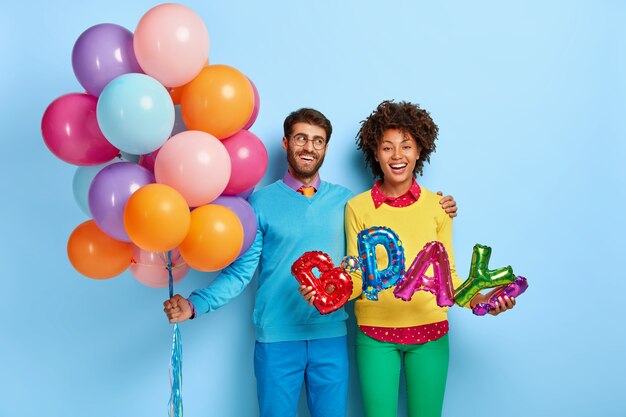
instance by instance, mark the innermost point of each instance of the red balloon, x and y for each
(70, 130)
(334, 285)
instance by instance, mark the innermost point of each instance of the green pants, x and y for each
(425, 371)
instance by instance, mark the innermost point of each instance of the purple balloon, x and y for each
(246, 194)
(255, 109)
(245, 213)
(102, 53)
(109, 192)
(514, 289)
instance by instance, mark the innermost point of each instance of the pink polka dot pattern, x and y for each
(416, 335)
(404, 200)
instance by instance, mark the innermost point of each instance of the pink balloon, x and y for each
(415, 279)
(150, 268)
(255, 109)
(171, 44)
(196, 164)
(248, 158)
(70, 130)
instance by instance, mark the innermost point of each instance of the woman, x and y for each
(396, 140)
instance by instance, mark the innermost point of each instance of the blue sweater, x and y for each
(289, 224)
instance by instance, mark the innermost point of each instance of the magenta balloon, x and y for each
(102, 53)
(109, 192)
(248, 160)
(255, 109)
(150, 268)
(70, 130)
(415, 279)
(147, 161)
(245, 213)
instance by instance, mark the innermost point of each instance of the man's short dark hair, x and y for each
(310, 116)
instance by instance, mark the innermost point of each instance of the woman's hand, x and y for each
(502, 304)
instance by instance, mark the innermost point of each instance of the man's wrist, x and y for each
(193, 310)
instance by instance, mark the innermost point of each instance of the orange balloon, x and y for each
(219, 101)
(95, 254)
(214, 240)
(175, 93)
(156, 218)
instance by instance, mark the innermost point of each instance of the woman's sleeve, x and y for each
(352, 227)
(444, 235)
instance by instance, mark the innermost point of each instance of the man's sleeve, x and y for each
(231, 282)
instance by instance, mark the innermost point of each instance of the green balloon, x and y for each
(480, 277)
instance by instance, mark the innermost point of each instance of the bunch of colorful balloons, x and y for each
(165, 157)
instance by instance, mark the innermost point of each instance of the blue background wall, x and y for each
(530, 99)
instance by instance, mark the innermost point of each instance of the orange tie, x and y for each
(306, 191)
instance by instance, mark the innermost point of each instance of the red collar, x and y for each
(404, 200)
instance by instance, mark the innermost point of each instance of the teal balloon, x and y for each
(130, 157)
(135, 113)
(83, 177)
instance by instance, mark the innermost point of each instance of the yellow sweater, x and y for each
(422, 222)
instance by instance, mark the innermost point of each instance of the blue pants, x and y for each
(281, 367)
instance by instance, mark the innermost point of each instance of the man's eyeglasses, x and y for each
(301, 140)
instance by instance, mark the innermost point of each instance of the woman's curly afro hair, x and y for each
(407, 117)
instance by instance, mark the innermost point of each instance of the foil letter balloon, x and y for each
(350, 264)
(375, 280)
(334, 285)
(481, 277)
(514, 289)
(433, 253)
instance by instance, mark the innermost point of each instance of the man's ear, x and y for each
(285, 143)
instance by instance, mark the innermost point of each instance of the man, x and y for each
(297, 214)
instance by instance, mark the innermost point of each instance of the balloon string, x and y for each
(176, 373)
(169, 270)
(175, 404)
(173, 267)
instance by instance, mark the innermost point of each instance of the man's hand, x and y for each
(177, 309)
(448, 204)
(307, 293)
